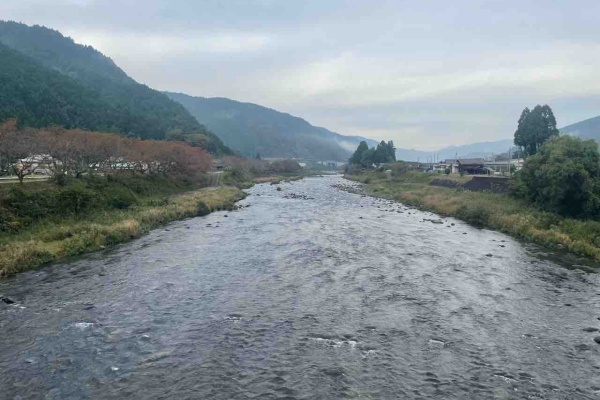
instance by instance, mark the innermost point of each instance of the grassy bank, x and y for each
(56, 237)
(245, 181)
(495, 211)
(278, 179)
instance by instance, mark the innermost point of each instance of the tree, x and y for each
(285, 166)
(368, 158)
(358, 154)
(24, 148)
(385, 153)
(563, 177)
(534, 128)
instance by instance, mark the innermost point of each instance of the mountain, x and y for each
(77, 86)
(250, 129)
(38, 96)
(587, 129)
(472, 150)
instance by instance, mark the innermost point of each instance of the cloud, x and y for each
(420, 73)
(148, 45)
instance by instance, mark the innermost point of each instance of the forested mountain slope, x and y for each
(250, 129)
(91, 80)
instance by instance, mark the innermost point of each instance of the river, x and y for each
(310, 292)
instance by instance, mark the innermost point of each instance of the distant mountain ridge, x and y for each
(87, 80)
(472, 150)
(586, 129)
(252, 129)
(47, 78)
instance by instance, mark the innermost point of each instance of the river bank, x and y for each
(54, 240)
(496, 211)
(359, 297)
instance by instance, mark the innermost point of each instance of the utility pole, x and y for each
(509, 158)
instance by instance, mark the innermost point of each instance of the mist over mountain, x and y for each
(252, 129)
(49, 79)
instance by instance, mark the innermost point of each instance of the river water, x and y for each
(308, 293)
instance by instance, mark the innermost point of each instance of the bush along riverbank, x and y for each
(496, 211)
(46, 222)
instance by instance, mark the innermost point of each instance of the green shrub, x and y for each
(30, 206)
(160, 202)
(202, 209)
(8, 222)
(563, 177)
(120, 197)
(475, 215)
(76, 198)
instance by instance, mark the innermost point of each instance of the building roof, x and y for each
(477, 161)
(497, 162)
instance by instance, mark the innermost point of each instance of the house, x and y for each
(504, 167)
(472, 166)
(452, 165)
(38, 164)
(439, 168)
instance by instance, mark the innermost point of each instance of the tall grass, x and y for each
(495, 211)
(54, 240)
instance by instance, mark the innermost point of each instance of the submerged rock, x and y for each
(433, 221)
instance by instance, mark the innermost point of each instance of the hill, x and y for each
(124, 105)
(587, 129)
(250, 129)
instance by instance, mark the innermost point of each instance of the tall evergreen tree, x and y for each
(534, 128)
(357, 157)
(385, 153)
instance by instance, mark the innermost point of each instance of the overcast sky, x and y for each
(425, 73)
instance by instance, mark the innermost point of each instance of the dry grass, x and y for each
(496, 211)
(51, 242)
(276, 179)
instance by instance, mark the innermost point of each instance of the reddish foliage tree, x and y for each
(76, 152)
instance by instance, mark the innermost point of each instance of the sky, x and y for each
(425, 74)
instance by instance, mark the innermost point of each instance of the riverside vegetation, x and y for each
(514, 214)
(554, 200)
(124, 209)
(105, 189)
